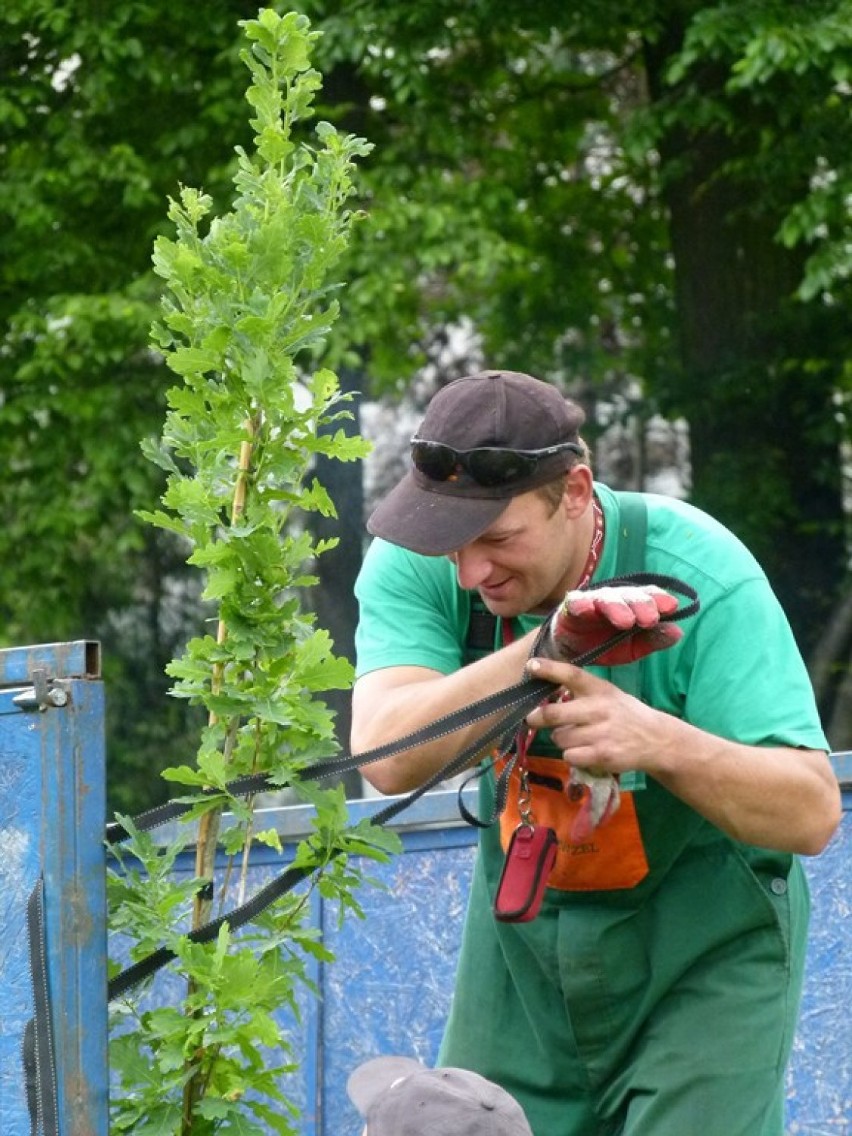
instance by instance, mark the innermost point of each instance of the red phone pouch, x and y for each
(529, 859)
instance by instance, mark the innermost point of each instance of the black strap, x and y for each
(501, 700)
(522, 698)
(512, 704)
(37, 1050)
(632, 532)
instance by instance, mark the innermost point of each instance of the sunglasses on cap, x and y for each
(489, 466)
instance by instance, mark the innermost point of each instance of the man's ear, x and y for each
(579, 489)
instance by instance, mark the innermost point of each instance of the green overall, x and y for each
(661, 1009)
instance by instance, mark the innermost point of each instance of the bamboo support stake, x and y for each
(208, 825)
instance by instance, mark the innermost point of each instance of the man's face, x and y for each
(525, 561)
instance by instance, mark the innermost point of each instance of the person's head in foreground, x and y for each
(397, 1096)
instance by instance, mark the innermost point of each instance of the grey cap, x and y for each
(398, 1096)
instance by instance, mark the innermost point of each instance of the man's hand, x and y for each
(586, 618)
(599, 728)
(782, 797)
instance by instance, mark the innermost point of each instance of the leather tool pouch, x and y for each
(529, 860)
(613, 857)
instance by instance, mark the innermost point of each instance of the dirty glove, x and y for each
(600, 797)
(588, 617)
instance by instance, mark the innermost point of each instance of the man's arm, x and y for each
(389, 703)
(394, 701)
(776, 797)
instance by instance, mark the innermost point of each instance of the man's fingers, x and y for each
(573, 679)
(644, 642)
(622, 606)
(657, 638)
(665, 601)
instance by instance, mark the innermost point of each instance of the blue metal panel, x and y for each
(80, 659)
(389, 989)
(842, 763)
(52, 813)
(819, 1086)
(20, 802)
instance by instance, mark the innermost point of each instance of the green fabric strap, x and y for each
(632, 534)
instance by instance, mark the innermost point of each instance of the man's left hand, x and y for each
(588, 617)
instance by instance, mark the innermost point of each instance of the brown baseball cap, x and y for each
(485, 439)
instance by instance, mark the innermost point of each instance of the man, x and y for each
(397, 1096)
(655, 993)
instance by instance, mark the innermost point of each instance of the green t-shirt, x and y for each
(736, 673)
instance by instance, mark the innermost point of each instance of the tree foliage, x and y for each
(250, 296)
(104, 114)
(629, 190)
(621, 192)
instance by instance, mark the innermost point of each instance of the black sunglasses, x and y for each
(489, 466)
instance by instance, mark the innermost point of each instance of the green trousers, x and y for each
(671, 1017)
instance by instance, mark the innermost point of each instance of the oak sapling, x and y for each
(249, 297)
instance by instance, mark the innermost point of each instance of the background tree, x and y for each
(103, 114)
(657, 190)
(609, 193)
(619, 192)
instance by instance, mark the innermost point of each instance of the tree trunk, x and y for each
(334, 595)
(759, 372)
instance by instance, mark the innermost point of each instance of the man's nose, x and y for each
(472, 567)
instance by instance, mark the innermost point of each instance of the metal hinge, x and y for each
(44, 693)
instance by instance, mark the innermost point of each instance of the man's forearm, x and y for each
(773, 796)
(391, 703)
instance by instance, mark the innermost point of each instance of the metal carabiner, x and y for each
(525, 800)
